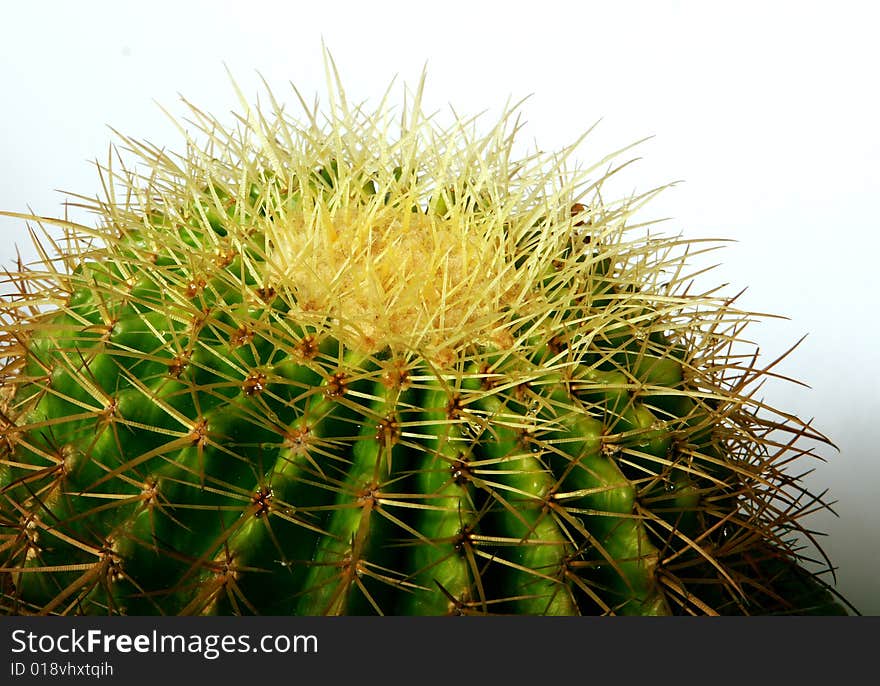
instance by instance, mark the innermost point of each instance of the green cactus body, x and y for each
(318, 372)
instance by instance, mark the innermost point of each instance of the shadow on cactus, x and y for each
(346, 365)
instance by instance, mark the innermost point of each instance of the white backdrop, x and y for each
(767, 111)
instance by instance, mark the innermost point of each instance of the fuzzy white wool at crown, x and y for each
(389, 282)
(764, 109)
(450, 274)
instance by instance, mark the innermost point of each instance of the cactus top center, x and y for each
(387, 277)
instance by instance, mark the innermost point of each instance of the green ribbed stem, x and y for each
(229, 478)
(183, 447)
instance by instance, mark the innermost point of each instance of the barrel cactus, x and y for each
(341, 366)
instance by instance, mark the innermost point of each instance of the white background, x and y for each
(767, 111)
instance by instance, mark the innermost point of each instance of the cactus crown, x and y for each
(417, 238)
(275, 271)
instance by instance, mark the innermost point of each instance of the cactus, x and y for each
(311, 367)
